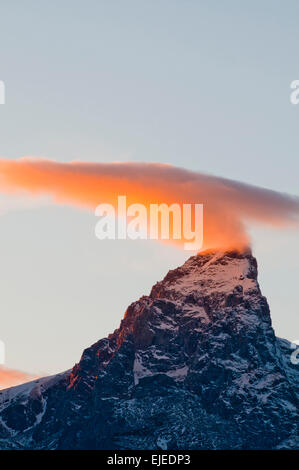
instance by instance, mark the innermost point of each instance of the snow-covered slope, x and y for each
(195, 364)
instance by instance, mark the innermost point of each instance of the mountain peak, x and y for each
(200, 349)
(211, 271)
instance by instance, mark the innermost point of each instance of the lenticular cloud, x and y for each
(229, 206)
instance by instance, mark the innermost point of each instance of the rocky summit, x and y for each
(194, 365)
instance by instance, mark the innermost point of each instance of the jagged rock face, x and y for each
(194, 365)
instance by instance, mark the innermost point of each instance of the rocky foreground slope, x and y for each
(194, 365)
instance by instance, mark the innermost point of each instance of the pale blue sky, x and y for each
(199, 84)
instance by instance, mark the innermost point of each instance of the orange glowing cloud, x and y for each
(229, 206)
(11, 377)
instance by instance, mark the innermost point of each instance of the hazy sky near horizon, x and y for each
(203, 85)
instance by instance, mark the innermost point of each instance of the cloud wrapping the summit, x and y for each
(229, 206)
